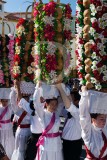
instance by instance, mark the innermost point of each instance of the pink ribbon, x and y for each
(5, 121)
(3, 114)
(45, 134)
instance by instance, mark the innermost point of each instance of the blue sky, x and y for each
(21, 5)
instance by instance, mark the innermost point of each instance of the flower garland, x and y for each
(11, 52)
(23, 59)
(4, 64)
(51, 22)
(92, 66)
(80, 41)
(2, 82)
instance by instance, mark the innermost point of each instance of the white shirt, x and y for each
(91, 135)
(72, 128)
(35, 126)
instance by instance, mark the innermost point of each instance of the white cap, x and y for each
(4, 93)
(97, 102)
(27, 87)
(48, 91)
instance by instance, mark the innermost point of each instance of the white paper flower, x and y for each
(93, 20)
(30, 70)
(104, 78)
(16, 69)
(94, 55)
(98, 86)
(93, 9)
(51, 48)
(94, 67)
(49, 20)
(67, 23)
(93, 80)
(105, 72)
(92, 31)
(94, 63)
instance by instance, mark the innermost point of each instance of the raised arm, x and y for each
(85, 119)
(13, 100)
(68, 103)
(65, 98)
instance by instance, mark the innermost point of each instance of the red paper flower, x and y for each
(15, 76)
(50, 8)
(49, 32)
(21, 22)
(51, 63)
(17, 58)
(67, 34)
(80, 1)
(18, 40)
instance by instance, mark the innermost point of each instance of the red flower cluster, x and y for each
(50, 8)
(15, 76)
(96, 3)
(80, 1)
(68, 11)
(21, 21)
(17, 58)
(18, 40)
(51, 63)
(49, 32)
(97, 75)
(67, 34)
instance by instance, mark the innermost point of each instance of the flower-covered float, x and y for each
(92, 43)
(7, 43)
(52, 32)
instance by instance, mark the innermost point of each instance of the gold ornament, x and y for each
(87, 77)
(86, 20)
(88, 62)
(89, 85)
(86, 28)
(87, 46)
(87, 69)
(86, 36)
(86, 3)
(87, 13)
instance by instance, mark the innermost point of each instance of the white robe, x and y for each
(21, 137)
(6, 132)
(91, 135)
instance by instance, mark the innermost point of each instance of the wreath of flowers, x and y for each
(97, 60)
(51, 21)
(23, 59)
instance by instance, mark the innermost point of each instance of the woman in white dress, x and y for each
(49, 144)
(6, 126)
(23, 131)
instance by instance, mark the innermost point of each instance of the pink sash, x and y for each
(2, 115)
(46, 134)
